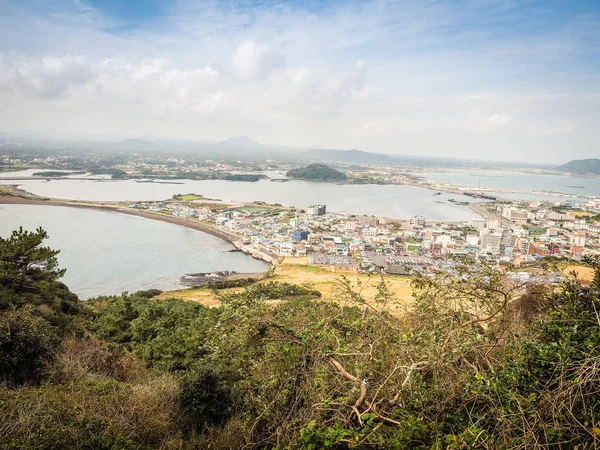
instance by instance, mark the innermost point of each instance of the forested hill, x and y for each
(475, 361)
(319, 172)
(582, 166)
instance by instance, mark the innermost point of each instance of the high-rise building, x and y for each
(316, 210)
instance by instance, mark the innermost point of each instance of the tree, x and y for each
(29, 274)
(24, 262)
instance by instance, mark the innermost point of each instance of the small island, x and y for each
(317, 172)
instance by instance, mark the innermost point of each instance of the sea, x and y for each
(108, 253)
(522, 181)
(395, 201)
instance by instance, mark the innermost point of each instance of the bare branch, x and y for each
(341, 369)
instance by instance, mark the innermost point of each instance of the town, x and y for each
(508, 235)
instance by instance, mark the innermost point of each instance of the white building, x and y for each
(417, 221)
(472, 240)
(490, 242)
(515, 215)
(351, 226)
(578, 240)
(316, 210)
(286, 249)
(370, 232)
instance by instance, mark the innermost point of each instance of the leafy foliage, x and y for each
(167, 334)
(227, 284)
(35, 309)
(29, 273)
(205, 399)
(476, 361)
(317, 172)
(27, 345)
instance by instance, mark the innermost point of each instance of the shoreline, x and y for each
(230, 238)
(188, 223)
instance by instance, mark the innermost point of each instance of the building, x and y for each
(316, 210)
(494, 224)
(370, 232)
(490, 242)
(514, 214)
(559, 216)
(521, 244)
(287, 249)
(350, 226)
(417, 221)
(299, 236)
(368, 220)
(540, 249)
(472, 240)
(578, 240)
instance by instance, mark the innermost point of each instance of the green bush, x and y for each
(205, 399)
(166, 334)
(27, 345)
(227, 284)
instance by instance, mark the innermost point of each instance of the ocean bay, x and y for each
(396, 201)
(523, 181)
(108, 252)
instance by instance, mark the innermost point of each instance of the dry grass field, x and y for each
(583, 272)
(324, 279)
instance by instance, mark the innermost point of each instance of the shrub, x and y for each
(226, 284)
(205, 399)
(27, 344)
(167, 334)
(148, 293)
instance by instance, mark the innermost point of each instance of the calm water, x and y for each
(108, 253)
(496, 179)
(379, 200)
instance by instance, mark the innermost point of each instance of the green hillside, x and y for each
(582, 166)
(474, 362)
(319, 172)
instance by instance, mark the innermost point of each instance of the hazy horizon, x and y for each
(499, 80)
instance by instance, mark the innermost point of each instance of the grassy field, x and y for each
(188, 197)
(583, 272)
(326, 281)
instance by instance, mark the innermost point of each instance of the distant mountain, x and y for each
(581, 166)
(136, 145)
(240, 142)
(347, 156)
(247, 149)
(317, 172)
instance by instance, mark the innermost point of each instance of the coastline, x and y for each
(231, 238)
(195, 225)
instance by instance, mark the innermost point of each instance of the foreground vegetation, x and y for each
(475, 362)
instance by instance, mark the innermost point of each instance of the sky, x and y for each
(514, 80)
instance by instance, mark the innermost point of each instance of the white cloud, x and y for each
(49, 77)
(498, 120)
(251, 60)
(441, 77)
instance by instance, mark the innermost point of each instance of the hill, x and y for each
(239, 142)
(581, 166)
(350, 156)
(136, 145)
(279, 365)
(319, 172)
